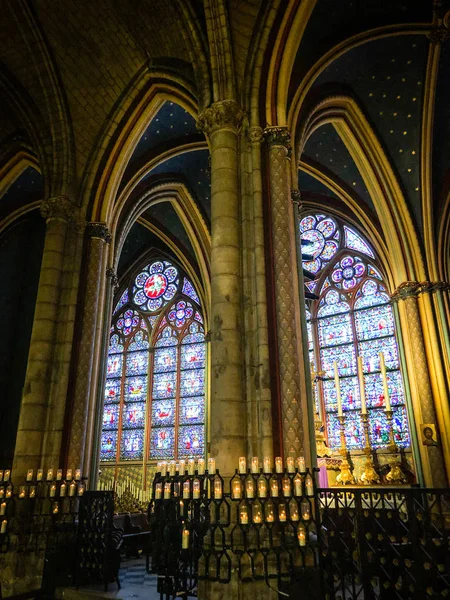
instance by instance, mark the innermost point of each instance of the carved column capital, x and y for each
(277, 136)
(225, 114)
(112, 276)
(255, 135)
(60, 208)
(407, 289)
(99, 231)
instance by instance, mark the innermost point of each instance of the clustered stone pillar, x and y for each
(421, 393)
(221, 122)
(84, 402)
(41, 376)
(286, 290)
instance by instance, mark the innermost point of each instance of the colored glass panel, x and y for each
(162, 442)
(114, 365)
(188, 289)
(128, 322)
(345, 357)
(307, 223)
(112, 390)
(370, 349)
(192, 410)
(163, 413)
(180, 314)
(115, 347)
(191, 441)
(137, 363)
(335, 330)
(136, 388)
(155, 286)
(400, 427)
(110, 416)
(165, 359)
(193, 356)
(108, 446)
(123, 300)
(374, 322)
(355, 242)
(374, 389)
(349, 394)
(334, 304)
(192, 382)
(164, 385)
(132, 444)
(133, 415)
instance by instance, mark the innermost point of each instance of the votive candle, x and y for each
(4, 526)
(167, 491)
(72, 488)
(282, 513)
(255, 464)
(52, 490)
(297, 485)
(301, 465)
(32, 491)
(243, 515)
(158, 491)
(256, 513)
(242, 465)
(279, 464)
(309, 484)
(2, 492)
(22, 491)
(49, 474)
(290, 464)
(186, 489)
(267, 464)
(62, 490)
(9, 491)
(286, 485)
(217, 489)
(163, 467)
(237, 489)
(30, 475)
(185, 539)
(77, 474)
(68, 474)
(80, 489)
(191, 466)
(262, 488)
(6, 475)
(40, 474)
(250, 488)
(301, 534)
(182, 466)
(306, 511)
(201, 466)
(211, 465)
(172, 468)
(55, 509)
(2, 509)
(59, 475)
(274, 488)
(293, 511)
(196, 489)
(270, 517)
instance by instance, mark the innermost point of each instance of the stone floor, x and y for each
(135, 583)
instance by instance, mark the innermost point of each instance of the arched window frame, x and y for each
(151, 323)
(348, 242)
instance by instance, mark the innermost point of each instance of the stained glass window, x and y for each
(352, 317)
(154, 399)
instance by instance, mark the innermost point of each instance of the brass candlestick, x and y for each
(395, 475)
(369, 475)
(345, 476)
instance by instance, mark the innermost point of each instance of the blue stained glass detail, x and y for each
(375, 393)
(400, 427)
(312, 265)
(162, 444)
(136, 388)
(133, 415)
(310, 335)
(114, 365)
(132, 444)
(374, 322)
(128, 322)
(163, 412)
(333, 305)
(355, 242)
(370, 349)
(110, 416)
(307, 223)
(112, 390)
(114, 346)
(192, 382)
(193, 356)
(349, 394)
(378, 429)
(171, 274)
(155, 286)
(188, 289)
(335, 330)
(311, 285)
(345, 357)
(373, 272)
(165, 359)
(137, 363)
(181, 313)
(354, 431)
(167, 337)
(191, 441)
(123, 300)
(198, 317)
(192, 410)
(164, 385)
(370, 296)
(108, 446)
(326, 227)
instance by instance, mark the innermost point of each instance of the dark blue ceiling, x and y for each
(165, 215)
(332, 22)
(441, 141)
(308, 183)
(193, 168)
(171, 122)
(27, 188)
(387, 78)
(325, 147)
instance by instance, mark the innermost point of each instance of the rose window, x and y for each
(182, 312)
(155, 286)
(127, 322)
(348, 272)
(323, 236)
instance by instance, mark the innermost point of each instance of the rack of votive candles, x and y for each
(280, 495)
(6, 508)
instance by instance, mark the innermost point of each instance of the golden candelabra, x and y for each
(345, 476)
(395, 475)
(369, 475)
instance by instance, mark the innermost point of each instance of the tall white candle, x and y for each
(255, 464)
(4, 526)
(338, 389)
(362, 392)
(267, 464)
(387, 401)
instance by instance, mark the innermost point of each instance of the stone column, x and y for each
(286, 292)
(221, 122)
(421, 392)
(40, 376)
(84, 401)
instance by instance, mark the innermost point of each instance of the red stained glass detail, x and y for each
(155, 286)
